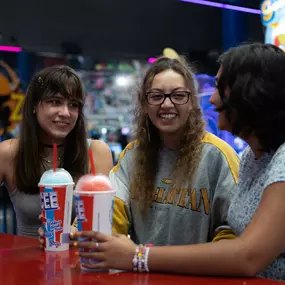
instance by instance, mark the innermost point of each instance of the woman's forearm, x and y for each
(225, 257)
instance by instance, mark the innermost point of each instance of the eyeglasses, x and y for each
(176, 98)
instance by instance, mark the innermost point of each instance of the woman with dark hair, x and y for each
(175, 182)
(52, 113)
(250, 99)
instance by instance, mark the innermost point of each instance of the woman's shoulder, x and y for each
(277, 163)
(126, 159)
(98, 145)
(8, 152)
(216, 148)
(220, 155)
(100, 150)
(8, 149)
(102, 156)
(280, 152)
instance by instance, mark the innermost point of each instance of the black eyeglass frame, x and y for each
(167, 95)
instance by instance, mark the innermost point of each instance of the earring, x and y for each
(147, 129)
(34, 111)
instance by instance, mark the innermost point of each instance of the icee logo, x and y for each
(80, 210)
(53, 226)
(49, 201)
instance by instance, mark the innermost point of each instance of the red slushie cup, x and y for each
(94, 198)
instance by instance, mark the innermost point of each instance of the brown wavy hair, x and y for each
(45, 84)
(146, 160)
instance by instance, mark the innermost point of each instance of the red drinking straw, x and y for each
(54, 156)
(91, 161)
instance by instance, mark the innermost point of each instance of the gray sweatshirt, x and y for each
(191, 215)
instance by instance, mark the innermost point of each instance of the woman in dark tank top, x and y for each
(52, 113)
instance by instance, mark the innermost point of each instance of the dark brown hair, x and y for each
(45, 84)
(146, 155)
(254, 75)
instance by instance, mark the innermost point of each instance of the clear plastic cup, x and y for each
(56, 190)
(94, 198)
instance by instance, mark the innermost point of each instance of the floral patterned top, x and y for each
(254, 176)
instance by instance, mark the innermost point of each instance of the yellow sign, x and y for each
(11, 100)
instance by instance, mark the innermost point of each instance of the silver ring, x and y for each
(97, 245)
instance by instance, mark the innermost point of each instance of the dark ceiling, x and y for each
(125, 28)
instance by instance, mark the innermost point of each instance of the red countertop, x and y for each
(23, 262)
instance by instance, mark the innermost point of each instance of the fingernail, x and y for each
(75, 244)
(76, 252)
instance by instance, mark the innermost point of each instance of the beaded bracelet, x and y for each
(140, 260)
(146, 259)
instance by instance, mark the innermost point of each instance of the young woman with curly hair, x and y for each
(175, 181)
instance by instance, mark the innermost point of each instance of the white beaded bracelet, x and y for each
(146, 259)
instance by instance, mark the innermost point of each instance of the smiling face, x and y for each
(167, 117)
(57, 117)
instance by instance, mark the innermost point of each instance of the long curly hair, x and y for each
(146, 162)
